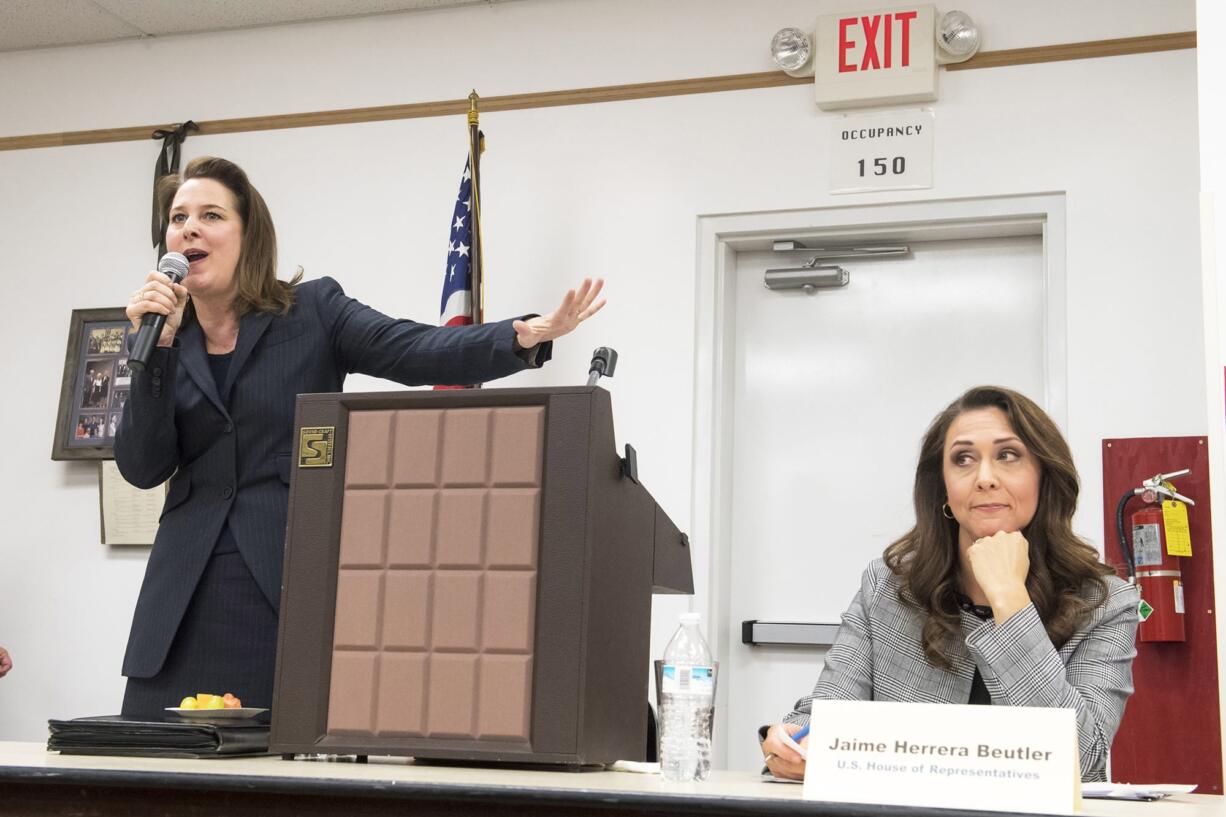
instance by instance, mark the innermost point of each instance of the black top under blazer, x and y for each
(229, 451)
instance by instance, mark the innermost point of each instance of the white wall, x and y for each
(1211, 82)
(612, 190)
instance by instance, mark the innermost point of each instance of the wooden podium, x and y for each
(468, 577)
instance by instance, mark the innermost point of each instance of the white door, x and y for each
(832, 393)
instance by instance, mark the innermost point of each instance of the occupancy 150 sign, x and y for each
(890, 151)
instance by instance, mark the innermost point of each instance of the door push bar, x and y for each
(787, 633)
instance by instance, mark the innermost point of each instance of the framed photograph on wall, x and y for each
(95, 386)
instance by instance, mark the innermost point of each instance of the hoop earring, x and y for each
(946, 511)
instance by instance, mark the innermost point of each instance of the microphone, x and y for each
(174, 266)
(604, 363)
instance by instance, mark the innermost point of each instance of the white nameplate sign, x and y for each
(990, 758)
(886, 151)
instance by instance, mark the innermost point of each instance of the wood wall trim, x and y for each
(588, 96)
(1079, 51)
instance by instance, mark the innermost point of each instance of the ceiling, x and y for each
(28, 24)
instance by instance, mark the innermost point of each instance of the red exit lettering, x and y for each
(878, 41)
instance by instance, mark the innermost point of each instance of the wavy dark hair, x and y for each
(258, 287)
(1065, 582)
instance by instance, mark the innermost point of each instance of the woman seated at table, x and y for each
(991, 598)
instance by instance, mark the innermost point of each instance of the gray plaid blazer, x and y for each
(878, 656)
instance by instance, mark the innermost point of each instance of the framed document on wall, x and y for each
(95, 385)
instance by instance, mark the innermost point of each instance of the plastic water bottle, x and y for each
(687, 704)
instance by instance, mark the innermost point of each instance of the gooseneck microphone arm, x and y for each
(174, 266)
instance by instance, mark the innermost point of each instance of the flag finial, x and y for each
(473, 116)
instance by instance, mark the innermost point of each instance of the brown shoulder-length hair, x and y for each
(256, 274)
(1065, 581)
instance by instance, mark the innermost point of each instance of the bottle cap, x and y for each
(691, 618)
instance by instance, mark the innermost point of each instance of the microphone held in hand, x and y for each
(174, 266)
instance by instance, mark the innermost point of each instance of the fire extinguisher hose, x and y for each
(1125, 545)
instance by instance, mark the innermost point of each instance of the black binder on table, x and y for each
(118, 735)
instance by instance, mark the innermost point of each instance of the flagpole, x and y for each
(476, 272)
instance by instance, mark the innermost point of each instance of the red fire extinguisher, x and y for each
(1158, 535)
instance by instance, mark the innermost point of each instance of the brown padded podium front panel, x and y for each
(421, 585)
(436, 582)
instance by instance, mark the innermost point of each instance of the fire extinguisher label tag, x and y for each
(1179, 597)
(1144, 610)
(1175, 519)
(1147, 544)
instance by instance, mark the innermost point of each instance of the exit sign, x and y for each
(883, 57)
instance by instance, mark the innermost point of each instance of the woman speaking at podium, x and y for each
(991, 598)
(213, 411)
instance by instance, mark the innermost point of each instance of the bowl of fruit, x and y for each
(207, 706)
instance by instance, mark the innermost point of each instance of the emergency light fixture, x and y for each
(792, 50)
(957, 37)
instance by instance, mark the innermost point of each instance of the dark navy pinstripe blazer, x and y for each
(229, 450)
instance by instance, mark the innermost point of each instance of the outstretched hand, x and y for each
(576, 307)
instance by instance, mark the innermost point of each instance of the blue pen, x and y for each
(795, 741)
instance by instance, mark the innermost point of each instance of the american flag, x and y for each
(456, 308)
